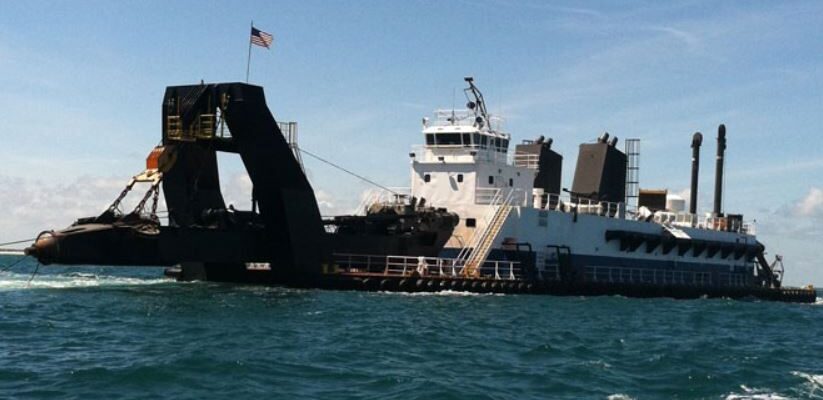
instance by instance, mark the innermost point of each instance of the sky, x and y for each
(82, 84)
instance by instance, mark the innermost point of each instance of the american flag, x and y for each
(261, 38)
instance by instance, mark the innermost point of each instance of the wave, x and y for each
(755, 394)
(813, 382)
(18, 281)
(453, 293)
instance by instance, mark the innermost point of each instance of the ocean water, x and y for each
(129, 333)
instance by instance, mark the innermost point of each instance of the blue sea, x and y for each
(102, 333)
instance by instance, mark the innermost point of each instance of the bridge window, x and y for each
(430, 139)
(467, 139)
(476, 139)
(448, 139)
(483, 141)
(427, 178)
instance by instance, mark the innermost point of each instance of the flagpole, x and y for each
(248, 60)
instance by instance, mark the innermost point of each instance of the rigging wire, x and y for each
(12, 265)
(17, 242)
(347, 171)
(36, 268)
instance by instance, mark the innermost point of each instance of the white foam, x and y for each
(814, 382)
(452, 293)
(18, 281)
(755, 394)
(620, 396)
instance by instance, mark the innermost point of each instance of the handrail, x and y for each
(380, 196)
(580, 205)
(465, 252)
(425, 266)
(567, 204)
(479, 252)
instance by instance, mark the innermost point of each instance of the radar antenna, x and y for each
(476, 102)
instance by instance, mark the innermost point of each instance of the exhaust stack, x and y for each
(697, 140)
(718, 177)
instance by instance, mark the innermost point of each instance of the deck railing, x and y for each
(580, 205)
(569, 204)
(487, 195)
(423, 266)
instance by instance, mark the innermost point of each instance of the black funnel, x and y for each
(697, 140)
(718, 177)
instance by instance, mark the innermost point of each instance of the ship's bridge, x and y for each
(463, 163)
(461, 136)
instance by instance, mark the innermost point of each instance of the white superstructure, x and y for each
(465, 165)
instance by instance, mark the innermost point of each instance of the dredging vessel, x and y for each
(477, 217)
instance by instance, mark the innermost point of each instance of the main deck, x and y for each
(408, 274)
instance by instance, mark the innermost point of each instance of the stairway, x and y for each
(480, 248)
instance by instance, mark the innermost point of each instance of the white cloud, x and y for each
(31, 206)
(237, 190)
(326, 202)
(811, 205)
(690, 39)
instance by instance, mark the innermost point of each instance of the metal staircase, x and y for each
(473, 256)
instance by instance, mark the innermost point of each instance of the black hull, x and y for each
(371, 282)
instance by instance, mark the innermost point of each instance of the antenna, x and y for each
(476, 100)
(454, 94)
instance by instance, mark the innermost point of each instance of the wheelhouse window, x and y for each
(448, 139)
(496, 144)
(467, 139)
(430, 139)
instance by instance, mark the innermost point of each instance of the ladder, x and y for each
(474, 256)
(632, 173)
(466, 250)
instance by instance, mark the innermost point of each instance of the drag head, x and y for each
(46, 248)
